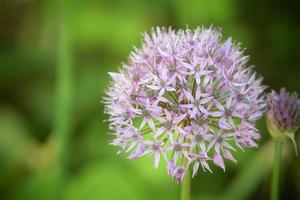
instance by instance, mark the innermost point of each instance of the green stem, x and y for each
(62, 122)
(276, 170)
(186, 187)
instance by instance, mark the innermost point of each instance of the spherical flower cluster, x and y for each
(187, 97)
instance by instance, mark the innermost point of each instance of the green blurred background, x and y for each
(53, 141)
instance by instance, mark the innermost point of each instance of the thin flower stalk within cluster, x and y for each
(185, 97)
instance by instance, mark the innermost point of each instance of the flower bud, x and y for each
(283, 114)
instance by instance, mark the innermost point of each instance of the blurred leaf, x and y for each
(93, 28)
(136, 180)
(15, 142)
(204, 12)
(40, 185)
(38, 101)
(250, 176)
(106, 181)
(15, 146)
(155, 182)
(89, 87)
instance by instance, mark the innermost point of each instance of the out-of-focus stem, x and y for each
(276, 170)
(62, 122)
(185, 193)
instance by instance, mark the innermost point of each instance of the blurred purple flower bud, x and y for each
(284, 110)
(283, 114)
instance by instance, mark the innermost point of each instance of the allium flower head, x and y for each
(186, 97)
(283, 114)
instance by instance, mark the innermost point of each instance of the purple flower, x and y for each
(178, 173)
(196, 104)
(169, 124)
(197, 68)
(155, 148)
(200, 158)
(162, 83)
(283, 114)
(284, 109)
(149, 112)
(185, 97)
(220, 144)
(178, 147)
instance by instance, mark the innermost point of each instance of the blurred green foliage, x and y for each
(104, 33)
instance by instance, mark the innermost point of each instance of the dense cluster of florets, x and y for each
(187, 97)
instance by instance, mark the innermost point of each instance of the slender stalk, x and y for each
(62, 121)
(186, 187)
(276, 170)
